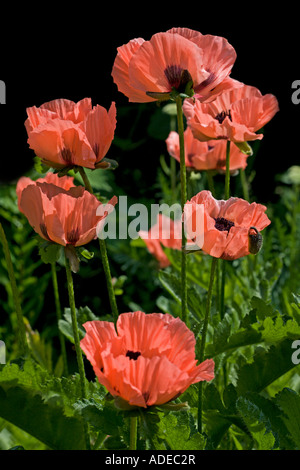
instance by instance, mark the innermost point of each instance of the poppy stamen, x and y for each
(222, 115)
(133, 355)
(177, 77)
(223, 224)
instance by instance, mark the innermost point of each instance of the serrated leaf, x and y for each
(289, 402)
(103, 417)
(257, 423)
(267, 366)
(49, 252)
(46, 423)
(83, 314)
(172, 283)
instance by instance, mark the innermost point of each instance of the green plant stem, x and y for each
(23, 344)
(59, 317)
(104, 257)
(203, 339)
(76, 340)
(183, 201)
(227, 175)
(210, 181)
(85, 179)
(244, 183)
(133, 433)
(222, 296)
(110, 288)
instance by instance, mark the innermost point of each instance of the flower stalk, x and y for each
(59, 316)
(203, 339)
(76, 340)
(133, 433)
(23, 344)
(104, 257)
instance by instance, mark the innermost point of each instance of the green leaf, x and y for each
(172, 283)
(176, 432)
(255, 421)
(289, 402)
(103, 417)
(49, 252)
(46, 423)
(83, 314)
(267, 366)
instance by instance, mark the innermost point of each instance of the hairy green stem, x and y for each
(133, 433)
(59, 317)
(76, 340)
(183, 201)
(104, 257)
(244, 183)
(23, 345)
(203, 339)
(210, 181)
(85, 179)
(110, 288)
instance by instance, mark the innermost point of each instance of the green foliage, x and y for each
(253, 403)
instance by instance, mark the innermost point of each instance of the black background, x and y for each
(69, 53)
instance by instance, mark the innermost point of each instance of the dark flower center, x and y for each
(66, 155)
(72, 236)
(223, 224)
(44, 231)
(222, 115)
(133, 355)
(177, 77)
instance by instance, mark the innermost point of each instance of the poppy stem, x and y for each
(244, 183)
(85, 179)
(203, 339)
(104, 257)
(110, 288)
(183, 201)
(23, 345)
(133, 433)
(227, 175)
(210, 181)
(59, 316)
(76, 340)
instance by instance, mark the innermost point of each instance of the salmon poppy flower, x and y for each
(210, 155)
(67, 134)
(64, 182)
(146, 71)
(165, 232)
(149, 361)
(230, 227)
(235, 115)
(61, 213)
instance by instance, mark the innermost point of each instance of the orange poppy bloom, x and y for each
(150, 70)
(66, 134)
(151, 360)
(210, 155)
(229, 227)
(61, 213)
(235, 115)
(64, 182)
(165, 232)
